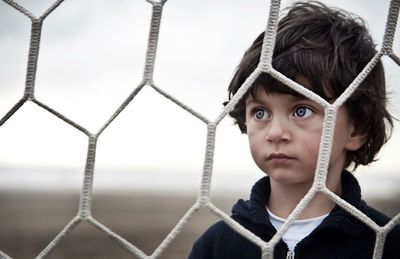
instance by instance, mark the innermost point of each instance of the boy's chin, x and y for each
(288, 177)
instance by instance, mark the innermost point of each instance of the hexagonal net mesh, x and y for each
(203, 199)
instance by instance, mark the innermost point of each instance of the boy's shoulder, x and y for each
(221, 241)
(378, 217)
(392, 240)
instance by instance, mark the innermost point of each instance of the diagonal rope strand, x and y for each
(121, 108)
(175, 231)
(13, 110)
(180, 104)
(60, 116)
(120, 240)
(20, 8)
(67, 229)
(4, 255)
(51, 9)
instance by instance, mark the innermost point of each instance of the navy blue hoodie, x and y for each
(339, 236)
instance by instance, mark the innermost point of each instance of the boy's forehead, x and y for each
(268, 87)
(271, 85)
(261, 95)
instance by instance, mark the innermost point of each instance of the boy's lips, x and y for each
(279, 156)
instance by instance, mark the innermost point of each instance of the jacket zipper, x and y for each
(290, 255)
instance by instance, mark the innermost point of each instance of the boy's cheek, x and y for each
(253, 135)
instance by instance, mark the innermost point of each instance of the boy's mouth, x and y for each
(279, 156)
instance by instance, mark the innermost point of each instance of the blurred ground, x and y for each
(30, 220)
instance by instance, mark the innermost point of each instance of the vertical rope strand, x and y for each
(393, 14)
(36, 30)
(208, 162)
(325, 147)
(379, 244)
(86, 194)
(267, 252)
(270, 35)
(152, 42)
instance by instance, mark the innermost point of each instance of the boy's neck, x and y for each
(284, 198)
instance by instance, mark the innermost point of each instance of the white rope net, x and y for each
(203, 199)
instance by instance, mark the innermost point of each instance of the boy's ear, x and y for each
(356, 139)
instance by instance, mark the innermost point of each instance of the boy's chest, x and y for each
(325, 244)
(246, 250)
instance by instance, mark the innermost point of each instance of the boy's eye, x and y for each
(302, 112)
(260, 114)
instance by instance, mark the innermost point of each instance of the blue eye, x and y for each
(302, 112)
(260, 114)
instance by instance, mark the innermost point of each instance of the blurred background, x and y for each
(149, 160)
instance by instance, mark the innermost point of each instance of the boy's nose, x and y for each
(278, 131)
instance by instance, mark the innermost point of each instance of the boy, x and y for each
(323, 49)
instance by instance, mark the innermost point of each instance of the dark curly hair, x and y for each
(329, 47)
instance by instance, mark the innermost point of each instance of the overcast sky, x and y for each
(92, 56)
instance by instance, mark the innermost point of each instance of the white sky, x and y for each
(92, 56)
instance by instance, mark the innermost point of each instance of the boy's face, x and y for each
(284, 133)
